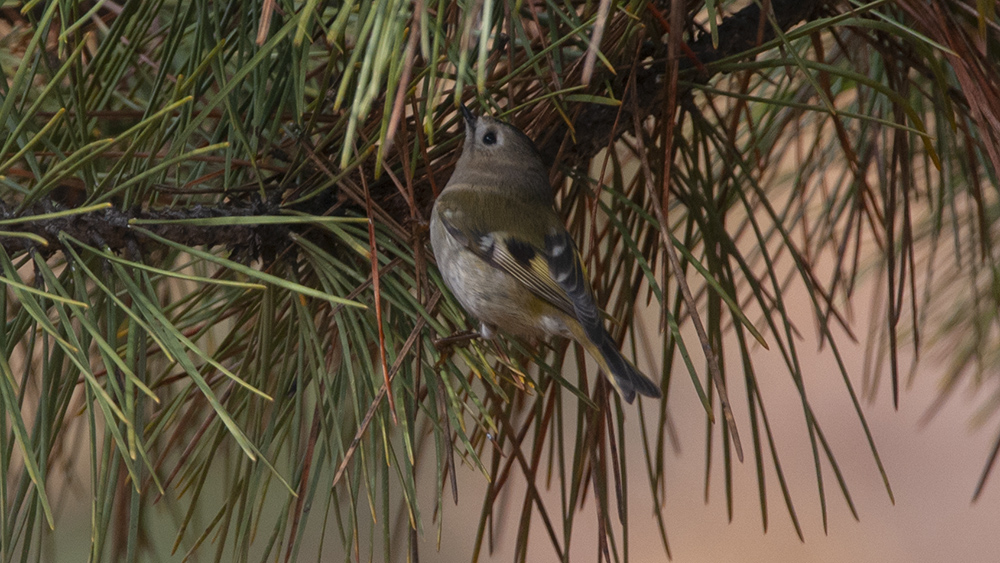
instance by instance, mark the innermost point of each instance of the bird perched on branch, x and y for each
(506, 255)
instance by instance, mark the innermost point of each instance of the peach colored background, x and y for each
(933, 470)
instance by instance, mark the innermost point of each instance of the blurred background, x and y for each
(933, 467)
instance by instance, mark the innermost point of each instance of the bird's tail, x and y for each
(625, 378)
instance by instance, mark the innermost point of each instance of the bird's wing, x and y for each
(566, 269)
(520, 259)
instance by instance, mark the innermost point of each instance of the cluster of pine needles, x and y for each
(223, 326)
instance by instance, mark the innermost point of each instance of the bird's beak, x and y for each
(470, 118)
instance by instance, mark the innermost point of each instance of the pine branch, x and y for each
(738, 33)
(110, 228)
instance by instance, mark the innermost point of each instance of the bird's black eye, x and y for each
(490, 138)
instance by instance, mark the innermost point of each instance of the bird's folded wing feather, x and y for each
(507, 253)
(566, 270)
(554, 273)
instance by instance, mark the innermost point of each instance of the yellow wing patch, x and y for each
(534, 274)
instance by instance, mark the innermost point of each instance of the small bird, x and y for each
(506, 255)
